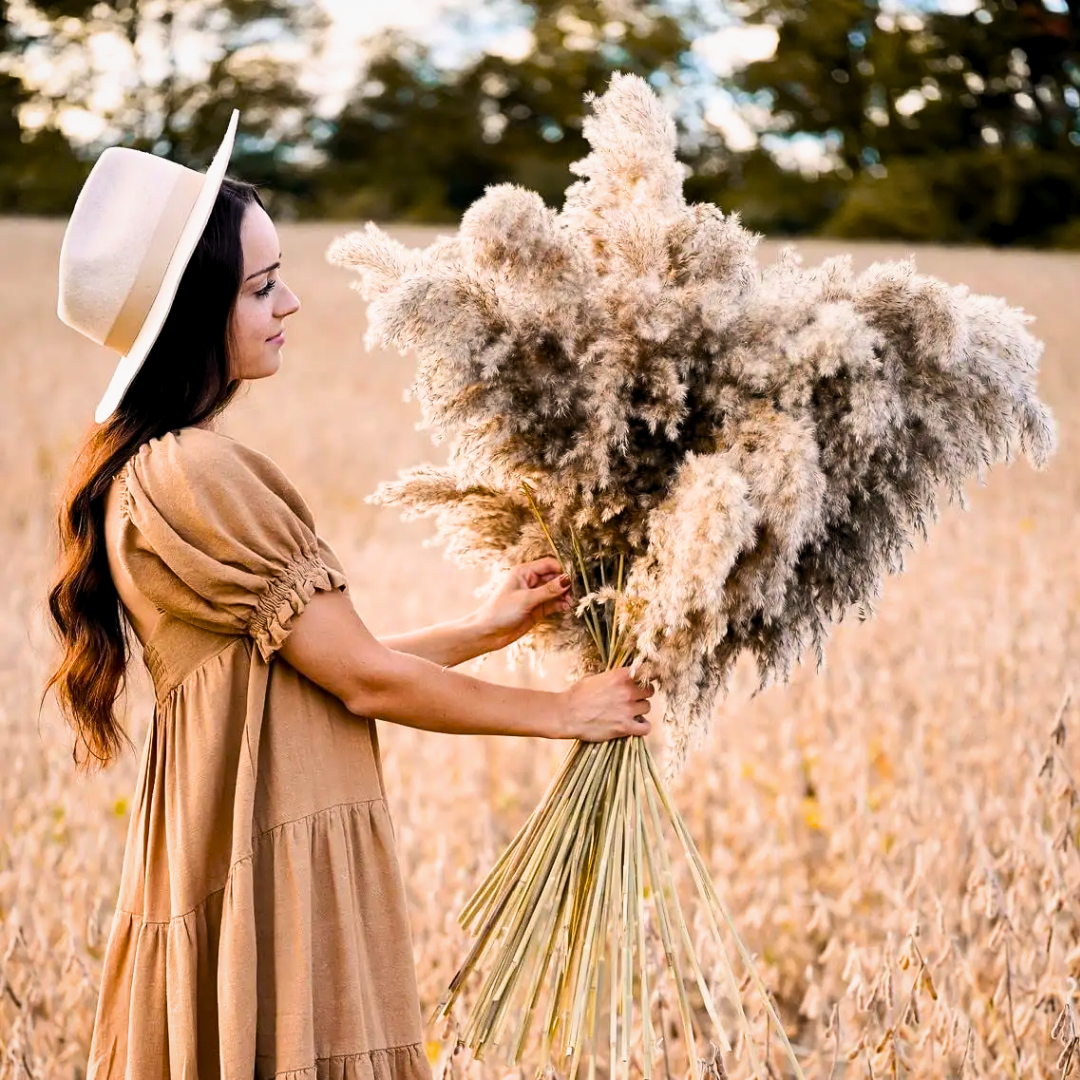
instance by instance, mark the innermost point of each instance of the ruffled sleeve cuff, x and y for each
(287, 597)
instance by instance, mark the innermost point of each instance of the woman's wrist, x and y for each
(481, 636)
(555, 718)
(447, 644)
(559, 722)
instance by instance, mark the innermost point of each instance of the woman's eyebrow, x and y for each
(265, 270)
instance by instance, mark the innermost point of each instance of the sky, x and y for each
(720, 52)
(355, 20)
(492, 28)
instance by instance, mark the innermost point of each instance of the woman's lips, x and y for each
(277, 339)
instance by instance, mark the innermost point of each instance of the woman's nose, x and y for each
(291, 303)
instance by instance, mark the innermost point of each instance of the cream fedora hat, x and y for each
(134, 228)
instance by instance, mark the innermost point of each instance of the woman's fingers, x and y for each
(540, 571)
(553, 607)
(548, 597)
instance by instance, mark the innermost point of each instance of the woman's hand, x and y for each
(606, 706)
(531, 593)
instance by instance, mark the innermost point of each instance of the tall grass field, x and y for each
(895, 837)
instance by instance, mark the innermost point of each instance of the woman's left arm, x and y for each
(446, 644)
(530, 593)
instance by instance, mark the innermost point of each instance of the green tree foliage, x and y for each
(38, 173)
(416, 142)
(183, 65)
(944, 127)
(769, 198)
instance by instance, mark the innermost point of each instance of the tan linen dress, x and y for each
(260, 927)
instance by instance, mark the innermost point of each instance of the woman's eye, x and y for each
(267, 288)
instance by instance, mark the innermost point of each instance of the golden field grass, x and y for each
(896, 837)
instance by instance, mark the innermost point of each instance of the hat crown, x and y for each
(135, 226)
(124, 228)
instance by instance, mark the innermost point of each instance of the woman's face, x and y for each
(256, 330)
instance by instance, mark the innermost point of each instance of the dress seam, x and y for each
(316, 813)
(232, 640)
(246, 858)
(355, 1054)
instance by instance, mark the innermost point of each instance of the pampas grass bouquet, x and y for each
(725, 459)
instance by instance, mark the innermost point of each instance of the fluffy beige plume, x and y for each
(614, 352)
(695, 536)
(512, 233)
(380, 260)
(632, 165)
(476, 522)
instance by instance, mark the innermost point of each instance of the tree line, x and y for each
(925, 124)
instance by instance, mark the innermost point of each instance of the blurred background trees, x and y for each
(38, 170)
(163, 75)
(924, 120)
(417, 142)
(949, 127)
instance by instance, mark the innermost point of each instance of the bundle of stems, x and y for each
(562, 920)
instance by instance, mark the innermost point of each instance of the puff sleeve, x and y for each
(215, 534)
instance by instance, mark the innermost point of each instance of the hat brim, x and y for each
(129, 365)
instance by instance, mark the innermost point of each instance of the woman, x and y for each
(260, 927)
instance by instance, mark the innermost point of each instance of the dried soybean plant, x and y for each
(725, 458)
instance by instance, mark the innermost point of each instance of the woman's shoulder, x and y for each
(206, 466)
(185, 444)
(202, 452)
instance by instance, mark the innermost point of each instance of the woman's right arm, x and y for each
(330, 644)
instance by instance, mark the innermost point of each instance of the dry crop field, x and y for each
(896, 836)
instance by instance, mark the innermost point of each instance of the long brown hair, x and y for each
(184, 381)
